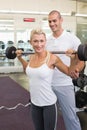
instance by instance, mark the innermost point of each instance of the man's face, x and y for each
(54, 22)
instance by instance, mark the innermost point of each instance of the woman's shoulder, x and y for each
(53, 57)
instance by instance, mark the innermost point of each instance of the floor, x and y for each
(20, 78)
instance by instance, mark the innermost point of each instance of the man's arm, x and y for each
(76, 67)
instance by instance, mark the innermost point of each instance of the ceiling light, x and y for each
(81, 15)
(30, 12)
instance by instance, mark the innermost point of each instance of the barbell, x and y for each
(81, 52)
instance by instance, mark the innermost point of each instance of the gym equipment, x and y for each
(81, 98)
(81, 81)
(81, 52)
(10, 52)
(80, 95)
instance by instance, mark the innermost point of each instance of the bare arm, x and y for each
(73, 70)
(76, 66)
(61, 66)
(23, 62)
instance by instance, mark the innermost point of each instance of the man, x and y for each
(61, 40)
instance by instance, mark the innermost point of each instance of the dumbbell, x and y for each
(81, 81)
(81, 98)
(81, 52)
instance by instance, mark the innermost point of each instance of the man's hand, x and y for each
(74, 73)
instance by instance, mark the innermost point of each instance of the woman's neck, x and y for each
(41, 55)
(38, 59)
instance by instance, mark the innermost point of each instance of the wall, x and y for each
(42, 6)
(64, 6)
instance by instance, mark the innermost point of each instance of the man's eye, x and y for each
(41, 40)
(54, 21)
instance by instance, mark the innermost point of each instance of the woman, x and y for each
(40, 71)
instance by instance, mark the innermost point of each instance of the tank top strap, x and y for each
(30, 60)
(48, 57)
(45, 61)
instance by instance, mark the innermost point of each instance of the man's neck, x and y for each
(56, 34)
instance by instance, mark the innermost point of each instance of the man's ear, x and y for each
(61, 19)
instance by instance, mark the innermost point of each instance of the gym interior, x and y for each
(18, 18)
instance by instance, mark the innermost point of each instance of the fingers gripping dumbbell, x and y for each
(81, 52)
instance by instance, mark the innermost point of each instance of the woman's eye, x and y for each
(35, 41)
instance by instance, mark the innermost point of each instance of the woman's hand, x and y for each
(19, 53)
(71, 54)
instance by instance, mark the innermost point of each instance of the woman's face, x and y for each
(38, 42)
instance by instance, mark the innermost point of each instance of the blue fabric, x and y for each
(67, 104)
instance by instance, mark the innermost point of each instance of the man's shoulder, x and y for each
(72, 34)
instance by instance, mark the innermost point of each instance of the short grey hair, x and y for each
(55, 11)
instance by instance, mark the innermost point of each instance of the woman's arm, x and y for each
(76, 65)
(23, 62)
(73, 70)
(61, 66)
